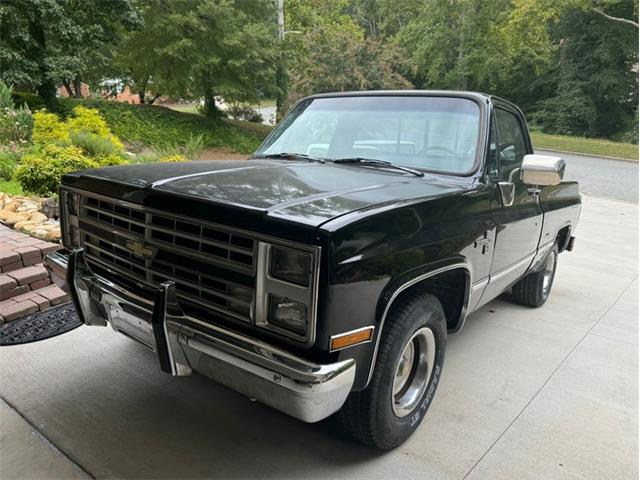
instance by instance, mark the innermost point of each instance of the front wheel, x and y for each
(534, 289)
(406, 374)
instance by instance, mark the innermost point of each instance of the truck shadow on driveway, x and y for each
(143, 423)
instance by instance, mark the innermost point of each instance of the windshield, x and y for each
(431, 133)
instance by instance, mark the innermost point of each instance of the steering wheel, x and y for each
(441, 149)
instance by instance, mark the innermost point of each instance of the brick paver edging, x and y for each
(25, 286)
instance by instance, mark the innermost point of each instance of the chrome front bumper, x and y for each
(302, 389)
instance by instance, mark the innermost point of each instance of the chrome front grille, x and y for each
(211, 265)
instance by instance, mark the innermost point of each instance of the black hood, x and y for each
(300, 192)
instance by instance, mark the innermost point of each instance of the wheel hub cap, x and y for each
(413, 372)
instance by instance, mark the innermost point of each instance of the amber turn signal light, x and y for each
(354, 337)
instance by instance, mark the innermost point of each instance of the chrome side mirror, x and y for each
(542, 169)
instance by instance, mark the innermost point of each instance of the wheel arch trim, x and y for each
(413, 281)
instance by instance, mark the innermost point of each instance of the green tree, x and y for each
(330, 52)
(454, 43)
(202, 49)
(594, 75)
(47, 42)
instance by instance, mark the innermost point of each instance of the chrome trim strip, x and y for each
(480, 284)
(514, 266)
(164, 181)
(351, 332)
(403, 287)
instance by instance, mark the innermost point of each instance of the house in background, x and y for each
(62, 91)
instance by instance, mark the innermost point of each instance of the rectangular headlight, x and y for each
(288, 314)
(290, 265)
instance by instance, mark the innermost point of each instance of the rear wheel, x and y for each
(534, 289)
(406, 374)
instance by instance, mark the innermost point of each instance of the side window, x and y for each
(511, 145)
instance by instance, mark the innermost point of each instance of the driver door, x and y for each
(518, 223)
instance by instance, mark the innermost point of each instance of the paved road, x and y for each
(599, 177)
(525, 393)
(268, 114)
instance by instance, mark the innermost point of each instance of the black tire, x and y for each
(369, 415)
(533, 290)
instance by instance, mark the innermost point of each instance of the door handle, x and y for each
(507, 193)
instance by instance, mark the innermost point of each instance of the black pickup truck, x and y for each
(323, 275)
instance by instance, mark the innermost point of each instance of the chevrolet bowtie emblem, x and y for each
(139, 249)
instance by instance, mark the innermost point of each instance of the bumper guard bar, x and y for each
(296, 386)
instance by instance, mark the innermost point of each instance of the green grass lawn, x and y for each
(155, 126)
(592, 146)
(259, 129)
(185, 108)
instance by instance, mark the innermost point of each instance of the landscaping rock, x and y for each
(37, 217)
(28, 206)
(15, 218)
(24, 225)
(53, 235)
(28, 215)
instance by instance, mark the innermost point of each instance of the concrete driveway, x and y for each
(525, 393)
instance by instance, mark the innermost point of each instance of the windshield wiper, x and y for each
(380, 163)
(291, 156)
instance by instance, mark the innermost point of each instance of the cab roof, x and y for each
(477, 96)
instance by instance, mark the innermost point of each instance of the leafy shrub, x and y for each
(33, 101)
(41, 170)
(24, 123)
(8, 162)
(88, 121)
(239, 111)
(174, 158)
(190, 151)
(631, 135)
(86, 129)
(47, 128)
(111, 159)
(147, 157)
(92, 144)
(16, 124)
(6, 97)
(194, 146)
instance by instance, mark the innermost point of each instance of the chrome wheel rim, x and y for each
(413, 372)
(548, 273)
